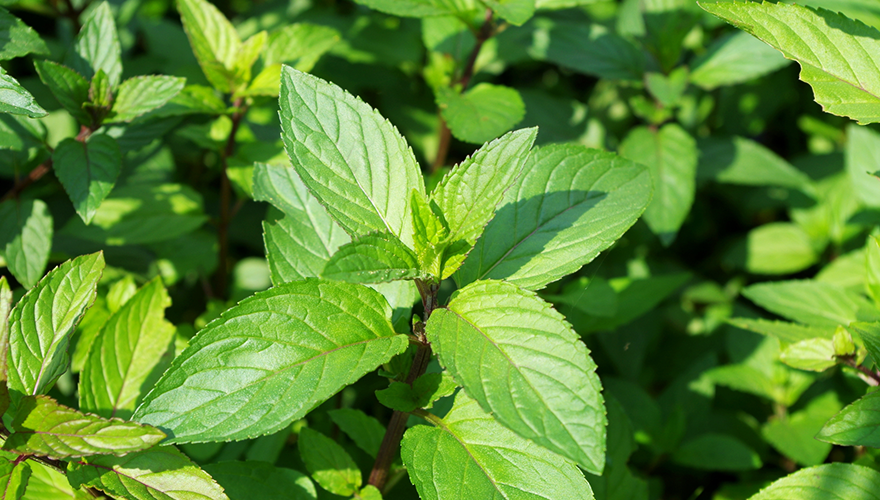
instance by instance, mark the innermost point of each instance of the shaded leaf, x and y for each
(861, 156)
(365, 431)
(786, 332)
(794, 435)
(734, 58)
(87, 170)
(716, 452)
(328, 463)
(68, 86)
(737, 160)
(424, 391)
(246, 480)
(810, 302)
(25, 238)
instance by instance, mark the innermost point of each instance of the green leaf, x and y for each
(793, 434)
(49, 484)
(42, 321)
(17, 39)
(44, 427)
(786, 332)
(138, 214)
(815, 355)
(16, 100)
(213, 39)
(328, 463)
(373, 258)
(299, 45)
(482, 113)
(870, 335)
(856, 425)
(365, 431)
(192, 99)
(716, 452)
(469, 451)
(570, 204)
(533, 374)
(428, 235)
(97, 46)
(420, 8)
(68, 86)
(469, 194)
(667, 89)
(517, 12)
(100, 93)
(125, 354)
(872, 277)
(142, 94)
(734, 58)
(312, 338)
(809, 302)
(836, 481)
(25, 238)
(246, 57)
(737, 160)
(300, 244)
(87, 170)
(424, 391)
(776, 248)
(861, 156)
(671, 156)
(837, 55)
(160, 472)
(245, 480)
(353, 160)
(14, 477)
(5, 308)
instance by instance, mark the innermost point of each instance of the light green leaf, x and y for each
(836, 481)
(469, 451)
(299, 45)
(42, 321)
(25, 238)
(298, 343)
(125, 353)
(192, 99)
(482, 113)
(365, 431)
(737, 160)
(815, 355)
(716, 452)
(142, 94)
(810, 302)
(97, 46)
(428, 233)
(47, 483)
(247, 55)
(373, 258)
(856, 425)
(667, 89)
(328, 463)
(870, 335)
(517, 12)
(14, 477)
(87, 170)
(533, 374)
(420, 8)
(259, 480)
(469, 194)
(872, 276)
(16, 100)
(352, 159)
(671, 156)
(299, 244)
(735, 58)
(862, 156)
(838, 56)
(569, 204)
(5, 308)
(776, 248)
(793, 434)
(68, 86)
(17, 39)
(158, 473)
(140, 214)
(119, 293)
(424, 391)
(213, 39)
(46, 428)
(786, 332)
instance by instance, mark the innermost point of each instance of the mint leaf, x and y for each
(42, 321)
(17, 39)
(671, 156)
(68, 86)
(16, 100)
(776, 248)
(825, 482)
(142, 94)
(516, 12)
(299, 45)
(481, 113)
(365, 431)
(373, 258)
(214, 41)
(14, 477)
(716, 452)
(243, 480)
(862, 154)
(160, 472)
(543, 384)
(785, 332)
(815, 355)
(328, 463)
(246, 56)
(87, 170)
(870, 335)
(811, 302)
(44, 427)
(469, 451)
(420, 8)
(856, 425)
(424, 391)
(569, 204)
(192, 99)
(352, 159)
(735, 58)
(97, 46)
(795, 434)
(313, 338)
(25, 238)
(737, 160)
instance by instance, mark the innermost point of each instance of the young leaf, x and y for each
(716, 452)
(25, 238)
(68, 86)
(125, 353)
(142, 94)
(735, 58)
(14, 477)
(861, 156)
(365, 431)
(836, 481)
(543, 384)
(570, 204)
(422, 394)
(838, 56)
(17, 39)
(312, 338)
(16, 100)
(214, 41)
(870, 335)
(328, 463)
(856, 425)
(247, 55)
(815, 355)
(97, 46)
(469, 451)
(244, 480)
(44, 427)
(42, 321)
(810, 302)
(160, 472)
(87, 170)
(482, 113)
(299, 45)
(353, 160)
(468, 196)
(373, 258)
(516, 12)
(671, 156)
(300, 244)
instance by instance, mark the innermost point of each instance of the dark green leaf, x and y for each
(25, 238)
(87, 170)
(373, 258)
(365, 431)
(870, 335)
(68, 86)
(716, 452)
(259, 480)
(97, 46)
(5, 308)
(794, 435)
(328, 463)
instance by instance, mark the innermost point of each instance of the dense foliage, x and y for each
(439, 249)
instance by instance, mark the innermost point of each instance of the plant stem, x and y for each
(225, 198)
(34, 175)
(872, 377)
(486, 31)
